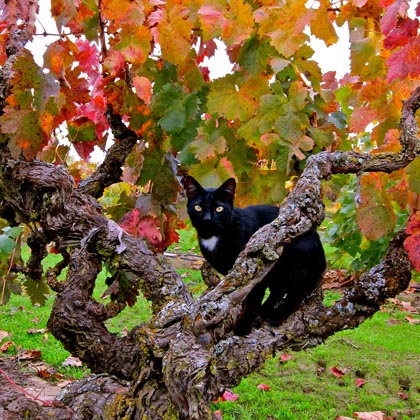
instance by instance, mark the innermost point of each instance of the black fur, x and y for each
(294, 276)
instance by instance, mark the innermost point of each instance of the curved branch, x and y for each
(110, 171)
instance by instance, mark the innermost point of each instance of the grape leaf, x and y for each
(135, 43)
(37, 290)
(375, 215)
(236, 98)
(405, 62)
(321, 25)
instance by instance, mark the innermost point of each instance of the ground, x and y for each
(24, 394)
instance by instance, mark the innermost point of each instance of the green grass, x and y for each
(385, 355)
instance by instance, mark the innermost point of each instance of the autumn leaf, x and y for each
(337, 372)
(122, 12)
(174, 21)
(360, 382)
(135, 44)
(6, 346)
(228, 396)
(285, 357)
(412, 242)
(72, 361)
(263, 387)
(374, 415)
(321, 25)
(374, 214)
(411, 320)
(143, 88)
(30, 355)
(405, 62)
(235, 97)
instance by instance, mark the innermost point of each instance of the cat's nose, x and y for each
(207, 216)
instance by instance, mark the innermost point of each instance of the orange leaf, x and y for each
(143, 88)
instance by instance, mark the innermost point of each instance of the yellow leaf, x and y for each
(323, 28)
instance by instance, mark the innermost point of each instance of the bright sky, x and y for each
(336, 57)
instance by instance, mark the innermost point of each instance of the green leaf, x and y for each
(339, 119)
(81, 130)
(6, 244)
(174, 119)
(236, 97)
(255, 54)
(37, 291)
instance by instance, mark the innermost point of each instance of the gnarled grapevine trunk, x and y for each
(186, 355)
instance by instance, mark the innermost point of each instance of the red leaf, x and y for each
(412, 243)
(403, 396)
(88, 57)
(285, 357)
(264, 387)
(84, 149)
(402, 34)
(338, 373)
(359, 382)
(405, 62)
(390, 17)
(228, 396)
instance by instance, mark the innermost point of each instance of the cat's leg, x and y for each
(250, 309)
(287, 295)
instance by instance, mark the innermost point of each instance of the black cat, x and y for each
(223, 231)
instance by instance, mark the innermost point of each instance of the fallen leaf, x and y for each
(407, 306)
(338, 373)
(374, 415)
(264, 387)
(393, 321)
(285, 357)
(30, 355)
(37, 331)
(217, 414)
(403, 396)
(63, 384)
(412, 320)
(228, 396)
(359, 382)
(3, 335)
(6, 346)
(72, 361)
(343, 418)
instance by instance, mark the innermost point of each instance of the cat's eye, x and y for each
(197, 208)
(219, 209)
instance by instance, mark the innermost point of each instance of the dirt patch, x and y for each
(24, 395)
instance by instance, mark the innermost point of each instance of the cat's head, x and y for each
(210, 209)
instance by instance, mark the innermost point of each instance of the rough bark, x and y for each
(176, 364)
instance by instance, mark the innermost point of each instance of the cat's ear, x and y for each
(228, 188)
(191, 186)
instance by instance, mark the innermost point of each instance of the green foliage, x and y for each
(343, 231)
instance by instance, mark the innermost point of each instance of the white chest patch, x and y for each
(210, 243)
